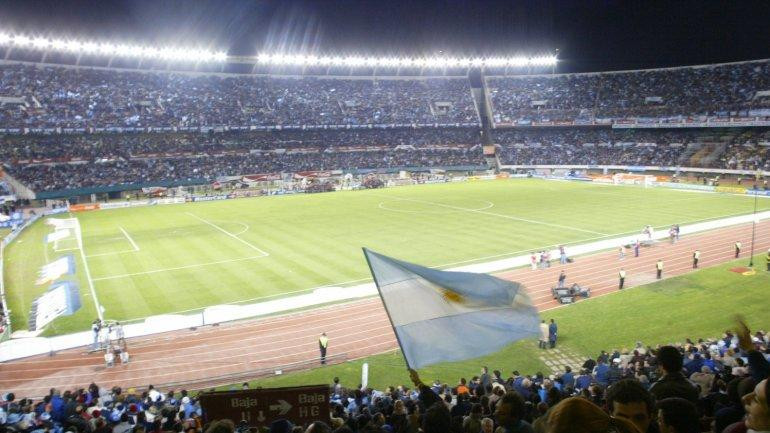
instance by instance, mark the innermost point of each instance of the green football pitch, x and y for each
(178, 258)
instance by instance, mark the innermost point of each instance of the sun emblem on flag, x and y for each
(452, 296)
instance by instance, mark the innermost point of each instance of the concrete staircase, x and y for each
(716, 152)
(559, 357)
(684, 159)
(703, 152)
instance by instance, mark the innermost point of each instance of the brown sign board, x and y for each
(260, 407)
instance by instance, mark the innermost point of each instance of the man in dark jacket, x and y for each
(672, 382)
(552, 333)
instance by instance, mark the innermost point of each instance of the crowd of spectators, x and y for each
(46, 163)
(716, 385)
(204, 168)
(54, 162)
(592, 146)
(687, 91)
(751, 153)
(61, 97)
(92, 147)
(743, 148)
(44, 96)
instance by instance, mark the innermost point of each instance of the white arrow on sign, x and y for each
(283, 407)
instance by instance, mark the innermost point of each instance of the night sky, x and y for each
(590, 35)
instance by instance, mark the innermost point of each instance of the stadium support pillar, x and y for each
(484, 111)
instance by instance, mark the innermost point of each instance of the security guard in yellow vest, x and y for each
(695, 258)
(622, 278)
(323, 344)
(659, 268)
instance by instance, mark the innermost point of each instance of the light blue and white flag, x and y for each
(441, 316)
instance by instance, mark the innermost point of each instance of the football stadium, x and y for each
(453, 234)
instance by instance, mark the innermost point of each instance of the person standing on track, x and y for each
(323, 344)
(659, 268)
(636, 248)
(562, 255)
(621, 252)
(120, 336)
(738, 249)
(621, 278)
(562, 278)
(695, 258)
(533, 261)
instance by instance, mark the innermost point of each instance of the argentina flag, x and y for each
(441, 316)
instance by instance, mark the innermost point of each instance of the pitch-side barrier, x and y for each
(24, 347)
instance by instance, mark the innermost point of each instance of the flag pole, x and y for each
(387, 312)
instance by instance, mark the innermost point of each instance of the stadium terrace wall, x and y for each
(75, 192)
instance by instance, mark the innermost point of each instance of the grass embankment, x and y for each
(699, 304)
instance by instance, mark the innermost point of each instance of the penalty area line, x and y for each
(197, 265)
(133, 244)
(250, 245)
(510, 217)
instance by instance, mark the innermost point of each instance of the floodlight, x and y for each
(40, 42)
(21, 40)
(59, 44)
(90, 47)
(106, 48)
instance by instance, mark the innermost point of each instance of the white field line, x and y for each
(133, 244)
(176, 268)
(498, 215)
(264, 253)
(79, 237)
(113, 253)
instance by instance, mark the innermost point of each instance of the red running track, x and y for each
(245, 350)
